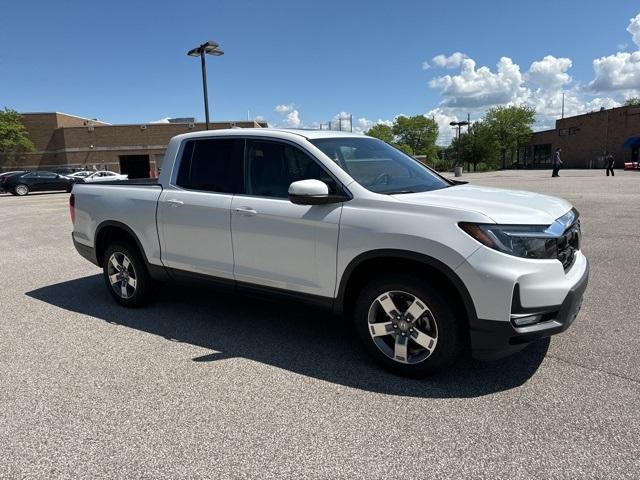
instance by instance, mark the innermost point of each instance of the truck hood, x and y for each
(499, 204)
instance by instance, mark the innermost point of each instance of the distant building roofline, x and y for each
(67, 114)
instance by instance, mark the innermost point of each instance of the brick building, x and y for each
(585, 138)
(62, 139)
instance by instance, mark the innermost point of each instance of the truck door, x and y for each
(194, 211)
(277, 243)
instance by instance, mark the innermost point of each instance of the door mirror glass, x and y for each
(311, 192)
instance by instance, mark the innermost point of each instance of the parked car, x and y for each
(66, 170)
(104, 176)
(41, 180)
(80, 174)
(8, 174)
(424, 267)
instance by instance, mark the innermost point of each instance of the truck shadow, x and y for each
(287, 335)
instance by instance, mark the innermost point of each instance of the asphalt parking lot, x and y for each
(202, 385)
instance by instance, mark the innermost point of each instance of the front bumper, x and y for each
(492, 339)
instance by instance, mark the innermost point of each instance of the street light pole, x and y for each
(211, 48)
(203, 64)
(458, 125)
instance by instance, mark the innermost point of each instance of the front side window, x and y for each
(273, 166)
(213, 165)
(378, 166)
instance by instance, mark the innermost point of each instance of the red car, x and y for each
(632, 166)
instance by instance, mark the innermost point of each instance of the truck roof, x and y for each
(275, 132)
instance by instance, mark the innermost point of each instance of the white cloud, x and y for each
(474, 88)
(284, 108)
(162, 120)
(290, 116)
(443, 118)
(620, 71)
(550, 72)
(363, 124)
(293, 119)
(634, 29)
(452, 61)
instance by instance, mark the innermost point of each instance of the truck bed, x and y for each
(133, 204)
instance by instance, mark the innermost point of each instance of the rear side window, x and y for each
(213, 165)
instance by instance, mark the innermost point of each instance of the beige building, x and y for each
(136, 149)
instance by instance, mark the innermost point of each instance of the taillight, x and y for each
(72, 207)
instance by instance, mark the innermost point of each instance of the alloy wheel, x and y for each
(402, 327)
(122, 275)
(22, 190)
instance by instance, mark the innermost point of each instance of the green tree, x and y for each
(478, 145)
(14, 139)
(418, 133)
(382, 132)
(404, 148)
(510, 126)
(632, 102)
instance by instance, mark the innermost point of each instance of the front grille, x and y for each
(568, 244)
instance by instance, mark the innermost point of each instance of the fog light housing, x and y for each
(523, 320)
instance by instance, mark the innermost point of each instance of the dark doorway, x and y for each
(136, 166)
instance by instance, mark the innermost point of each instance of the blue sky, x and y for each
(125, 62)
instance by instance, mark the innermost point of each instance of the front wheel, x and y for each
(408, 325)
(21, 190)
(126, 275)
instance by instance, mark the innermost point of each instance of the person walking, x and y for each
(556, 162)
(610, 161)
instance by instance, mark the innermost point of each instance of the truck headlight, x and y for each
(526, 241)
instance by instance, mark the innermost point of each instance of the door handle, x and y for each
(175, 203)
(246, 211)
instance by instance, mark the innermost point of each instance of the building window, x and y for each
(573, 130)
(542, 154)
(563, 132)
(524, 153)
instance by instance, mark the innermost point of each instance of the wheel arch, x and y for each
(111, 230)
(362, 267)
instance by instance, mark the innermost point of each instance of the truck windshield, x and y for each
(378, 166)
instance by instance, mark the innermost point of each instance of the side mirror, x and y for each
(312, 192)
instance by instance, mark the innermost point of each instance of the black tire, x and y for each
(448, 330)
(141, 293)
(20, 190)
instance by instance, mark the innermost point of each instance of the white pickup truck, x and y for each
(424, 267)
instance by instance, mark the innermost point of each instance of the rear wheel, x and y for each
(21, 190)
(408, 325)
(126, 275)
